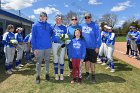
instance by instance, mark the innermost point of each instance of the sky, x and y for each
(124, 9)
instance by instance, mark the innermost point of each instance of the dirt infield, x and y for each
(120, 50)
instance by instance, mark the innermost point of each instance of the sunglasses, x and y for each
(74, 19)
(87, 17)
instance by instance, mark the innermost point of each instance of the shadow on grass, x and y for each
(105, 78)
(122, 67)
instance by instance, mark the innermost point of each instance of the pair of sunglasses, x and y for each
(87, 17)
(74, 19)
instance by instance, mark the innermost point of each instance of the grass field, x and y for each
(126, 79)
(121, 39)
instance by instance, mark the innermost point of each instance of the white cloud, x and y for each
(32, 17)
(48, 10)
(52, 5)
(94, 2)
(66, 5)
(17, 4)
(121, 6)
(120, 23)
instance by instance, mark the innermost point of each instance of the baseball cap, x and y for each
(87, 15)
(43, 14)
(58, 16)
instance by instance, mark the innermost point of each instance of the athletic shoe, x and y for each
(112, 70)
(21, 65)
(47, 77)
(86, 75)
(37, 80)
(18, 67)
(107, 67)
(130, 56)
(93, 79)
(103, 64)
(61, 77)
(56, 77)
(9, 72)
(99, 62)
(12, 70)
(134, 57)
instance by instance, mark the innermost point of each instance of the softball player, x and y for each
(9, 49)
(110, 48)
(27, 48)
(102, 51)
(19, 48)
(57, 43)
(133, 37)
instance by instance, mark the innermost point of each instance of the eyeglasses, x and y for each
(87, 17)
(74, 19)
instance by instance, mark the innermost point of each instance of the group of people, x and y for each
(133, 42)
(12, 43)
(84, 46)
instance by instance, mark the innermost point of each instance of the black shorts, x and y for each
(91, 55)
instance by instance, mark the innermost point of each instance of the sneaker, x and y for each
(79, 81)
(72, 82)
(98, 59)
(37, 80)
(47, 77)
(9, 72)
(21, 65)
(28, 64)
(130, 56)
(56, 77)
(134, 57)
(99, 62)
(61, 77)
(93, 79)
(107, 67)
(112, 70)
(12, 70)
(86, 75)
(18, 67)
(103, 64)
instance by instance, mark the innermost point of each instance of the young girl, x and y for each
(110, 48)
(76, 53)
(9, 48)
(19, 48)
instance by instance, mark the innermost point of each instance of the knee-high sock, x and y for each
(56, 68)
(17, 62)
(61, 68)
(10, 65)
(112, 65)
(6, 66)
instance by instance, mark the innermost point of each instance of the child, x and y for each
(19, 48)
(9, 48)
(27, 48)
(110, 48)
(76, 53)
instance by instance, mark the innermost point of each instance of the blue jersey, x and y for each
(134, 35)
(110, 38)
(91, 34)
(77, 49)
(19, 37)
(129, 33)
(7, 37)
(27, 38)
(41, 35)
(57, 31)
(138, 40)
(104, 36)
(71, 30)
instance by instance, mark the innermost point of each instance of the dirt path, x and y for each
(120, 50)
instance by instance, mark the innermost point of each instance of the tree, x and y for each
(110, 19)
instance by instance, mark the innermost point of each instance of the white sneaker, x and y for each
(134, 57)
(99, 62)
(12, 69)
(56, 77)
(107, 67)
(9, 72)
(130, 56)
(98, 59)
(21, 65)
(61, 77)
(103, 64)
(18, 67)
(112, 70)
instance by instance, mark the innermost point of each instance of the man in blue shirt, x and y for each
(91, 34)
(41, 44)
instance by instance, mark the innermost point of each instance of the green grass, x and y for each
(121, 39)
(126, 79)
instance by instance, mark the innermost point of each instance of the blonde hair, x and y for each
(9, 27)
